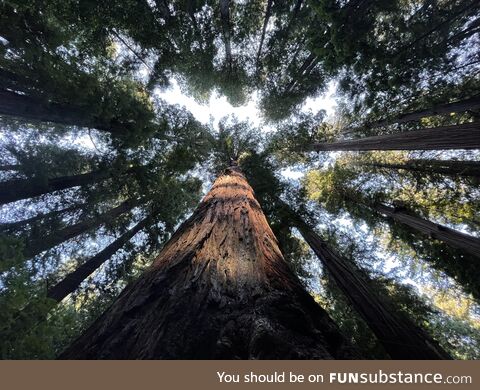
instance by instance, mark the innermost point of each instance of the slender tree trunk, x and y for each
(225, 17)
(466, 136)
(71, 282)
(459, 106)
(306, 67)
(37, 246)
(268, 12)
(400, 337)
(35, 109)
(443, 167)
(220, 288)
(17, 189)
(454, 238)
(13, 226)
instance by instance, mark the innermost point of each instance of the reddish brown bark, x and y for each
(219, 289)
(466, 136)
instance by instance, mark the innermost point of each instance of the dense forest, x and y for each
(338, 219)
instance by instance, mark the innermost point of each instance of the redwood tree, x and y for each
(220, 288)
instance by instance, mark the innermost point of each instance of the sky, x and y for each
(219, 107)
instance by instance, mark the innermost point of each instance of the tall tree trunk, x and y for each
(225, 18)
(17, 189)
(13, 226)
(71, 282)
(443, 167)
(400, 337)
(454, 238)
(220, 288)
(35, 109)
(459, 106)
(466, 136)
(268, 12)
(34, 247)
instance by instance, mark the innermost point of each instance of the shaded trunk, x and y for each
(17, 189)
(466, 136)
(71, 282)
(220, 288)
(14, 226)
(35, 109)
(459, 106)
(305, 69)
(399, 336)
(225, 18)
(443, 167)
(454, 238)
(37, 246)
(268, 12)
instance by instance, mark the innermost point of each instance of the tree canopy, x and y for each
(356, 124)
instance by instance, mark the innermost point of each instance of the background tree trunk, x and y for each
(220, 288)
(465, 242)
(19, 189)
(71, 282)
(400, 337)
(37, 246)
(459, 106)
(466, 136)
(443, 167)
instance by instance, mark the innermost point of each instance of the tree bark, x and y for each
(399, 336)
(466, 136)
(71, 282)
(17, 189)
(37, 246)
(459, 106)
(36, 109)
(443, 167)
(220, 289)
(454, 238)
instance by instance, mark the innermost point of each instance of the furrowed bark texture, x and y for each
(466, 136)
(399, 336)
(219, 289)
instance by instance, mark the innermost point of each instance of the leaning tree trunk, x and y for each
(227, 37)
(18, 189)
(18, 225)
(37, 246)
(466, 136)
(220, 288)
(454, 238)
(442, 167)
(32, 108)
(399, 336)
(71, 282)
(459, 106)
(268, 13)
